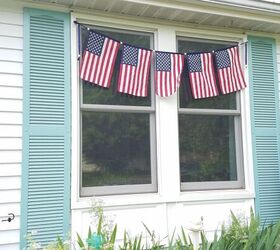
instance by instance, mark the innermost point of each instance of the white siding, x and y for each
(11, 83)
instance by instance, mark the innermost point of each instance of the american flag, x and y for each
(134, 71)
(168, 72)
(230, 73)
(201, 75)
(98, 59)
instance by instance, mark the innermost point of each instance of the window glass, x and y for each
(207, 148)
(210, 138)
(115, 149)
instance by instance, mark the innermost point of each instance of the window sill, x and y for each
(191, 197)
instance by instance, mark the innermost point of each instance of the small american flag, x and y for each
(202, 76)
(230, 73)
(134, 71)
(98, 59)
(168, 72)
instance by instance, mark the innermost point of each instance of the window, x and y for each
(209, 133)
(117, 132)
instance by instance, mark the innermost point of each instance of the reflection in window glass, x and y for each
(207, 148)
(115, 149)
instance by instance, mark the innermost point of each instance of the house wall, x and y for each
(160, 212)
(11, 83)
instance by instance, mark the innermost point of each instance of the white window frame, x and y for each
(168, 167)
(236, 113)
(125, 109)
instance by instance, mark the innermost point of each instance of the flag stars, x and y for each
(95, 43)
(130, 55)
(194, 61)
(163, 61)
(222, 59)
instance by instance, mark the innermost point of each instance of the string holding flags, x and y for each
(99, 58)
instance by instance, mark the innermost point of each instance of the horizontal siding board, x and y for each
(10, 105)
(11, 42)
(10, 156)
(10, 93)
(10, 118)
(6, 226)
(11, 67)
(11, 80)
(12, 18)
(11, 30)
(9, 237)
(10, 131)
(11, 55)
(10, 169)
(10, 196)
(12, 182)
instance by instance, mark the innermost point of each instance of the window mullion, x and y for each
(115, 108)
(191, 111)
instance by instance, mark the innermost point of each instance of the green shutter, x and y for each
(264, 95)
(46, 126)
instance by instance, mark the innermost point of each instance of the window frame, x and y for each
(236, 113)
(108, 108)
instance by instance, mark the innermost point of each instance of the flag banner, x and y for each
(202, 75)
(229, 70)
(98, 59)
(168, 71)
(134, 71)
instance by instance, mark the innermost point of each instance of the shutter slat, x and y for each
(265, 126)
(46, 156)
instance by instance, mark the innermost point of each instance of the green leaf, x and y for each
(80, 242)
(113, 235)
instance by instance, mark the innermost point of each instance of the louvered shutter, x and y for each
(46, 136)
(265, 126)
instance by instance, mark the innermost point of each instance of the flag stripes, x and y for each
(134, 71)
(168, 73)
(229, 69)
(201, 75)
(99, 60)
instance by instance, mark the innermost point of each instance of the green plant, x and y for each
(104, 237)
(132, 244)
(241, 235)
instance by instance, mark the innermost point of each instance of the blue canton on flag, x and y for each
(222, 59)
(194, 62)
(95, 43)
(163, 62)
(130, 55)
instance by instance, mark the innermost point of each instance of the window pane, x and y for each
(93, 94)
(186, 100)
(207, 148)
(115, 149)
